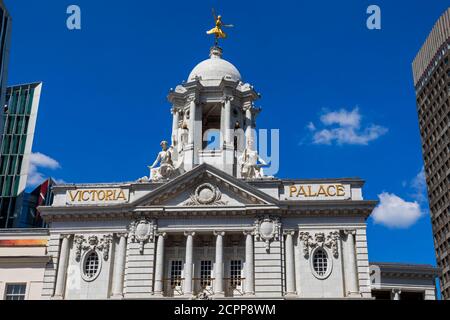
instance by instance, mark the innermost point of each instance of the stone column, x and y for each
(396, 294)
(226, 131)
(218, 270)
(119, 266)
(62, 267)
(176, 119)
(249, 264)
(188, 266)
(350, 265)
(159, 265)
(191, 120)
(290, 263)
(249, 129)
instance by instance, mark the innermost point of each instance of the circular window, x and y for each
(320, 263)
(91, 265)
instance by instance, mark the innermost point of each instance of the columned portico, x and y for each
(159, 265)
(350, 264)
(62, 267)
(290, 263)
(119, 266)
(219, 274)
(249, 264)
(188, 266)
(175, 124)
(226, 129)
(249, 128)
(191, 120)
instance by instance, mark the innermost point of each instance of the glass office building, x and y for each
(19, 117)
(5, 37)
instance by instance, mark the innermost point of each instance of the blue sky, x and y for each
(104, 111)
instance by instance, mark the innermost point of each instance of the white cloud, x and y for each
(40, 160)
(311, 126)
(394, 212)
(419, 186)
(342, 118)
(347, 129)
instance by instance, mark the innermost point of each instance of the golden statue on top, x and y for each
(217, 30)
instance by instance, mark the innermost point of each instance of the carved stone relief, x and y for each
(320, 239)
(268, 229)
(142, 231)
(205, 194)
(92, 243)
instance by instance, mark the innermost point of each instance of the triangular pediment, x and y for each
(205, 186)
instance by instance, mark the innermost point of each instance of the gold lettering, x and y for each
(322, 191)
(340, 190)
(121, 195)
(310, 194)
(101, 195)
(73, 196)
(109, 195)
(83, 195)
(292, 189)
(301, 192)
(329, 192)
(98, 195)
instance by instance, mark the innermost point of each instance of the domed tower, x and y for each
(214, 104)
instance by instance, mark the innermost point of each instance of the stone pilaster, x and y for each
(62, 267)
(119, 266)
(188, 267)
(249, 263)
(351, 273)
(290, 263)
(218, 269)
(159, 265)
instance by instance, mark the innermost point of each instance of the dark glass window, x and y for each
(15, 291)
(175, 273)
(205, 273)
(320, 262)
(235, 273)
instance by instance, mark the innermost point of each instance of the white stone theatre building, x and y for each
(210, 224)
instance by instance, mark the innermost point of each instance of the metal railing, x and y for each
(175, 286)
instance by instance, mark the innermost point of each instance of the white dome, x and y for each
(215, 68)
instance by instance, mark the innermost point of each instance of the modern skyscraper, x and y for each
(5, 36)
(19, 123)
(431, 70)
(40, 196)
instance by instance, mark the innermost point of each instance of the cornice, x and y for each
(24, 259)
(24, 232)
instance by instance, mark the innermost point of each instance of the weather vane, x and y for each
(217, 30)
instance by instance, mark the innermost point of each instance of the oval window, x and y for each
(91, 265)
(321, 265)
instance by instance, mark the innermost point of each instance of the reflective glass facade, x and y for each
(19, 117)
(5, 36)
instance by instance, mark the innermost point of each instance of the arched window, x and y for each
(320, 263)
(91, 265)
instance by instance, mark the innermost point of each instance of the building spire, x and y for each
(217, 30)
